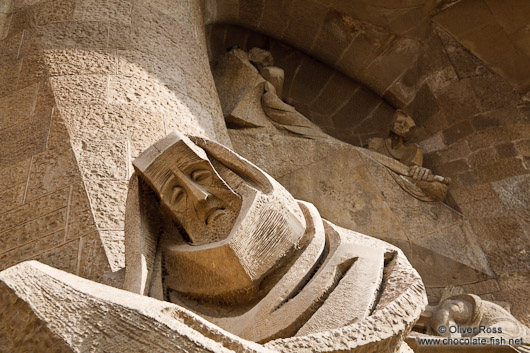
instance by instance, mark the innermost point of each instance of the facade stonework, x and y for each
(299, 89)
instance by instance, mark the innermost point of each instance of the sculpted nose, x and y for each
(197, 193)
(194, 191)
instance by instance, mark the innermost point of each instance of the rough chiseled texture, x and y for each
(85, 86)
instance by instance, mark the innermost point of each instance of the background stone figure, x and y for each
(396, 146)
(467, 315)
(258, 103)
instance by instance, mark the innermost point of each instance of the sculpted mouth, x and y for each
(213, 214)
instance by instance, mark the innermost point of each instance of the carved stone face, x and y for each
(403, 125)
(240, 223)
(188, 185)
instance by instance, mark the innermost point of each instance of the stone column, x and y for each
(85, 86)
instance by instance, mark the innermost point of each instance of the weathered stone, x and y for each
(107, 198)
(50, 171)
(97, 10)
(457, 132)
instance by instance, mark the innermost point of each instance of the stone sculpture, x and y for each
(410, 158)
(467, 315)
(273, 113)
(242, 253)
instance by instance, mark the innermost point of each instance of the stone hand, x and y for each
(420, 173)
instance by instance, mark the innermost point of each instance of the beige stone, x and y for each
(263, 261)
(117, 76)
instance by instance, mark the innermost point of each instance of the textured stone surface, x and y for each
(465, 80)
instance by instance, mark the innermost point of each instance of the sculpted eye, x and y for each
(177, 194)
(202, 176)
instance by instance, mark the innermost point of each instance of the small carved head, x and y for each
(403, 125)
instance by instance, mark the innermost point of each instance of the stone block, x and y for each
(523, 147)
(9, 47)
(33, 230)
(335, 36)
(490, 207)
(369, 42)
(467, 178)
(80, 218)
(334, 94)
(464, 63)
(495, 135)
(457, 150)
(361, 105)
(141, 92)
(75, 61)
(378, 121)
(107, 199)
(496, 117)
(251, 13)
(9, 71)
(305, 26)
(275, 18)
(505, 243)
(506, 60)
(18, 22)
(41, 245)
(18, 106)
(63, 257)
(452, 168)
(493, 92)
(176, 9)
(34, 209)
(457, 132)
(78, 35)
(506, 150)
(458, 101)
(289, 59)
(424, 105)
(518, 298)
(482, 157)
(9, 258)
(484, 287)
(100, 10)
(401, 55)
(502, 169)
(52, 11)
(512, 15)
(309, 79)
(12, 197)
(93, 262)
(82, 89)
(113, 241)
(465, 16)
(16, 151)
(102, 159)
(50, 171)
(458, 243)
(14, 174)
(515, 195)
(473, 193)
(58, 137)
